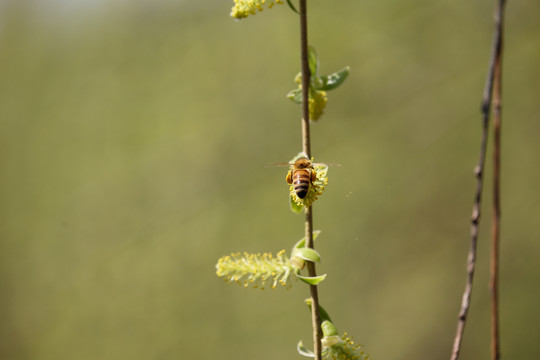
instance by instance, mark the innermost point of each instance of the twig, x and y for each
(495, 235)
(306, 144)
(306, 77)
(315, 317)
(494, 64)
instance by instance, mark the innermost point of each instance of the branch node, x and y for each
(478, 171)
(475, 217)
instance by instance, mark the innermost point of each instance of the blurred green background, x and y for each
(133, 141)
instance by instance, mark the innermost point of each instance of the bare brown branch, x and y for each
(306, 145)
(492, 85)
(496, 221)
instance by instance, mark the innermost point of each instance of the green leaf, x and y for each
(323, 314)
(292, 6)
(295, 95)
(302, 242)
(294, 206)
(311, 280)
(303, 351)
(334, 80)
(328, 328)
(313, 61)
(307, 254)
(317, 81)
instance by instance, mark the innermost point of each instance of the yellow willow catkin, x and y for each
(316, 188)
(345, 350)
(255, 269)
(244, 8)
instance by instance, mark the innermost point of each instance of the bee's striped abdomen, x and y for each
(301, 181)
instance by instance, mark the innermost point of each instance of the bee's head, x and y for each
(302, 163)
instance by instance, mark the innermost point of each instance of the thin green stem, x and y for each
(306, 145)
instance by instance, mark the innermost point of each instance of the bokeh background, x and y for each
(133, 139)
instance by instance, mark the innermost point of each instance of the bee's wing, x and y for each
(278, 164)
(327, 164)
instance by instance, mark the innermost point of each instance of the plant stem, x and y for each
(495, 235)
(315, 317)
(475, 226)
(492, 77)
(306, 145)
(306, 77)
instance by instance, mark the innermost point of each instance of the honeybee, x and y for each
(301, 176)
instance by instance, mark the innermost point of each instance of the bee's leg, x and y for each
(289, 177)
(313, 176)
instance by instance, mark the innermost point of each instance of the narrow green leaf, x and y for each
(334, 80)
(323, 314)
(295, 95)
(313, 61)
(292, 6)
(307, 254)
(311, 280)
(302, 242)
(303, 351)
